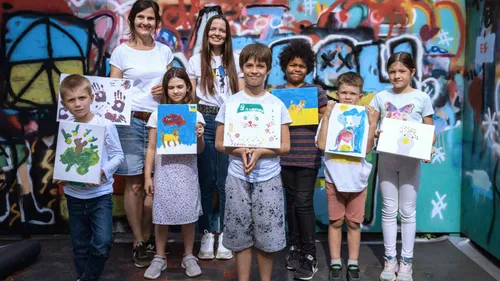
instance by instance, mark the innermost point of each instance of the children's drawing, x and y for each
(78, 152)
(252, 125)
(176, 132)
(347, 130)
(110, 100)
(405, 138)
(302, 104)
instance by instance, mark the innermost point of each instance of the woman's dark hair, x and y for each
(402, 57)
(180, 73)
(207, 78)
(297, 48)
(139, 6)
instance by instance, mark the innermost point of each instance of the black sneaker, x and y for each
(140, 255)
(335, 273)
(353, 273)
(308, 266)
(292, 258)
(151, 244)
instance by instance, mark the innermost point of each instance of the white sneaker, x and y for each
(390, 269)
(154, 270)
(190, 263)
(222, 252)
(405, 270)
(207, 246)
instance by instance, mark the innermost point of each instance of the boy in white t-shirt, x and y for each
(254, 214)
(346, 181)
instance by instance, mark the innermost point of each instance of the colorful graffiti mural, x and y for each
(481, 118)
(41, 40)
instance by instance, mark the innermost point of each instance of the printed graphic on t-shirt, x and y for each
(220, 75)
(401, 114)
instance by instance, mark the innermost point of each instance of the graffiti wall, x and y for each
(41, 39)
(481, 153)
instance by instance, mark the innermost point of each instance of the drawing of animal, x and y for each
(347, 139)
(406, 140)
(173, 137)
(297, 107)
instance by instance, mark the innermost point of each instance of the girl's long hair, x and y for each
(207, 78)
(180, 73)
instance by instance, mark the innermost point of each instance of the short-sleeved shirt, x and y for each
(267, 167)
(222, 86)
(348, 173)
(412, 106)
(145, 68)
(303, 151)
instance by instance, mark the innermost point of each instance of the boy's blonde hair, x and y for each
(73, 82)
(351, 79)
(259, 52)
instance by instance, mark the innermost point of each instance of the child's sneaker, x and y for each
(405, 270)
(353, 273)
(190, 263)
(222, 252)
(308, 266)
(390, 269)
(207, 246)
(140, 255)
(154, 270)
(335, 273)
(292, 258)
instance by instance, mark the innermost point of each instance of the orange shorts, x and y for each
(345, 204)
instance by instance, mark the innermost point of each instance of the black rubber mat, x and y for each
(439, 261)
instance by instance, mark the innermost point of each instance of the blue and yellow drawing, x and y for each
(176, 125)
(302, 104)
(350, 137)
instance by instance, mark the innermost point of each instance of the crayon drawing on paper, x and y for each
(302, 104)
(78, 152)
(404, 138)
(252, 125)
(347, 130)
(111, 100)
(176, 132)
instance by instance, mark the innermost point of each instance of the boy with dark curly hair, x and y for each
(300, 167)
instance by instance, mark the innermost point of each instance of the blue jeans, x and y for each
(212, 173)
(91, 227)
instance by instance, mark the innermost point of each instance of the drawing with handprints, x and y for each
(78, 152)
(252, 125)
(347, 130)
(411, 139)
(176, 129)
(110, 100)
(302, 104)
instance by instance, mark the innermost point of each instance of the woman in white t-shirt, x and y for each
(144, 61)
(215, 74)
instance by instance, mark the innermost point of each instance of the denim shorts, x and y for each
(134, 140)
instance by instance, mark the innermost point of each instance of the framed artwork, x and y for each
(411, 139)
(78, 152)
(347, 130)
(252, 125)
(111, 100)
(302, 104)
(176, 133)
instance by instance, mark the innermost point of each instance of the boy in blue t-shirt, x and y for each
(90, 206)
(254, 215)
